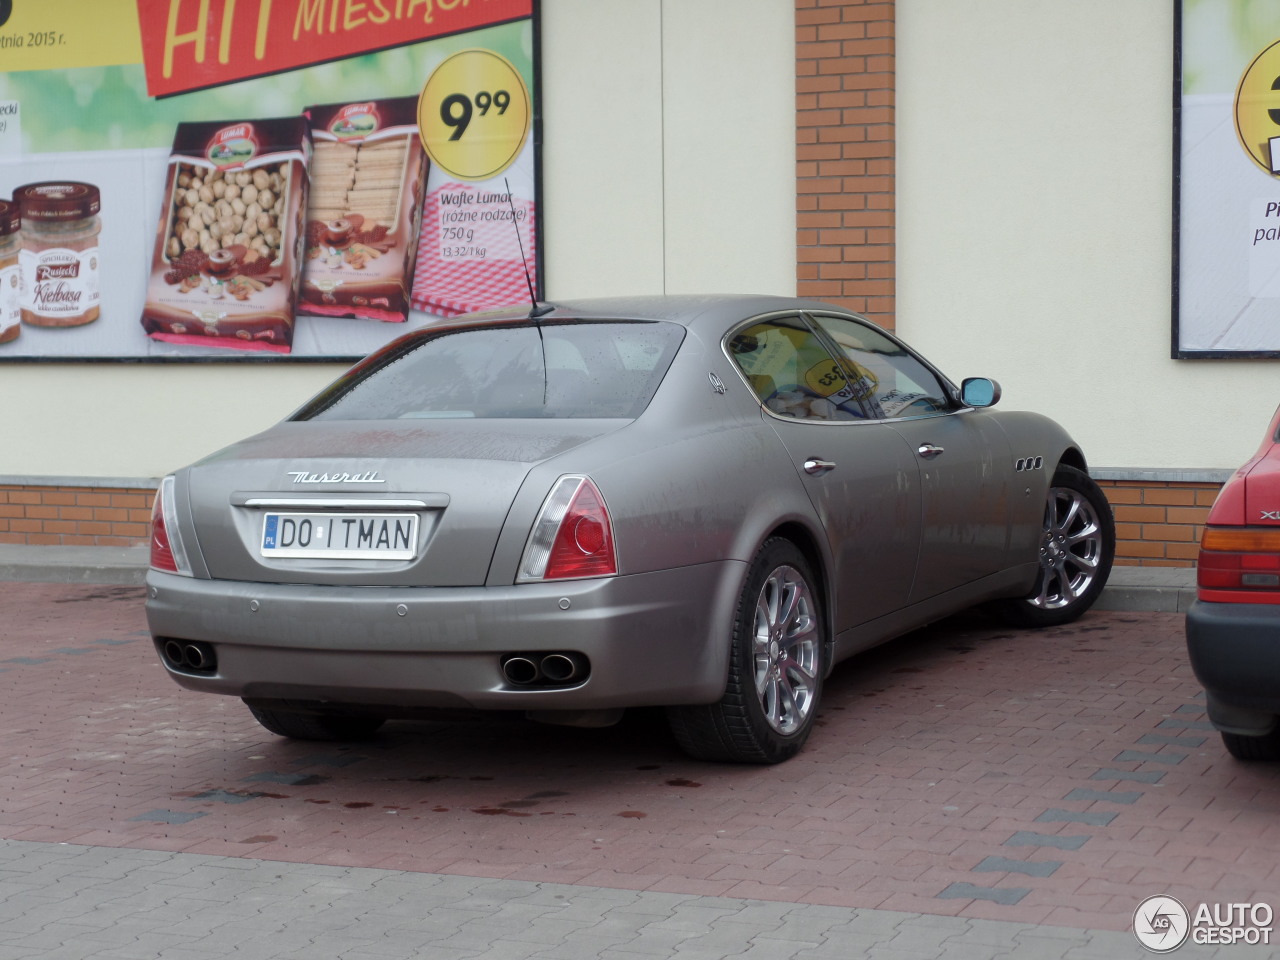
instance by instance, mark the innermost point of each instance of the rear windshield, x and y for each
(559, 370)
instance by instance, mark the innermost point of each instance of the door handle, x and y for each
(815, 467)
(929, 451)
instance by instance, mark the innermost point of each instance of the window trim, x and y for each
(950, 390)
(408, 343)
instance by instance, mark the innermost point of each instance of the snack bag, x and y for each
(367, 175)
(227, 260)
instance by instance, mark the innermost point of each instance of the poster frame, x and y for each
(1176, 349)
(538, 279)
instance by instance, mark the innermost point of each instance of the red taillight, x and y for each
(167, 551)
(161, 551)
(1239, 565)
(573, 535)
(584, 543)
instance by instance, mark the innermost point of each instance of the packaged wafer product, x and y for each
(227, 262)
(367, 176)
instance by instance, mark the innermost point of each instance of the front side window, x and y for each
(794, 374)
(555, 369)
(899, 384)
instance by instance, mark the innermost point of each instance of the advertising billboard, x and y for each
(1227, 180)
(213, 180)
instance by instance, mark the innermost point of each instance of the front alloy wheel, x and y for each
(1077, 546)
(776, 665)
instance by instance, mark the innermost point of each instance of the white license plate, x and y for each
(341, 536)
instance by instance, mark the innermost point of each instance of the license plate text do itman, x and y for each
(340, 536)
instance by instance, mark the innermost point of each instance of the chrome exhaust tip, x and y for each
(192, 656)
(556, 669)
(559, 667)
(520, 671)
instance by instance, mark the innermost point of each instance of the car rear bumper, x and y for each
(1235, 653)
(649, 639)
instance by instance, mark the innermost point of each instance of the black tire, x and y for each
(1077, 547)
(776, 663)
(1253, 748)
(300, 724)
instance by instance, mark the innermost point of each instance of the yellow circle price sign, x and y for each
(1257, 109)
(473, 115)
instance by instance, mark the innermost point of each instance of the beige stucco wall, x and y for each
(1034, 230)
(668, 167)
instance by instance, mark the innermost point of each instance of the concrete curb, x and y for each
(1149, 589)
(57, 564)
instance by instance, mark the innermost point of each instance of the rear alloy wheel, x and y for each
(299, 724)
(776, 664)
(1077, 546)
(1266, 747)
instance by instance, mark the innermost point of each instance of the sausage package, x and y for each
(367, 176)
(228, 251)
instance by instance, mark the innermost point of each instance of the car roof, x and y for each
(705, 313)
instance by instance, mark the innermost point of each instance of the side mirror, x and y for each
(979, 392)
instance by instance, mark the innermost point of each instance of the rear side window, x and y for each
(559, 370)
(795, 376)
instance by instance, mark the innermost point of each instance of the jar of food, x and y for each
(10, 273)
(59, 258)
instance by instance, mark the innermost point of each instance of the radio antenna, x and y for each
(536, 311)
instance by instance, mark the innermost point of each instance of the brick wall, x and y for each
(1159, 524)
(74, 516)
(844, 154)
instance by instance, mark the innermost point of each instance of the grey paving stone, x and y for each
(1083, 795)
(1097, 818)
(1139, 776)
(149, 904)
(1173, 723)
(961, 890)
(1161, 738)
(768, 949)
(1142, 756)
(1027, 838)
(1032, 868)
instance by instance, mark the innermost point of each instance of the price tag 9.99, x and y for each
(473, 115)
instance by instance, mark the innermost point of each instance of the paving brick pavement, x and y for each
(971, 791)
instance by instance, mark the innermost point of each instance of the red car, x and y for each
(1233, 628)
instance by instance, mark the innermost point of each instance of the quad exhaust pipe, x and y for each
(189, 655)
(544, 669)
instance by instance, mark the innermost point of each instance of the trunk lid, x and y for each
(377, 502)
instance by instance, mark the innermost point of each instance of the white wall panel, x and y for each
(1034, 177)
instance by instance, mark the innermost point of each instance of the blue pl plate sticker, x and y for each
(269, 532)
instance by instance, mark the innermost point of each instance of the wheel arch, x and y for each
(810, 548)
(1072, 457)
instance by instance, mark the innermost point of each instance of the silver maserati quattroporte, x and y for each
(697, 503)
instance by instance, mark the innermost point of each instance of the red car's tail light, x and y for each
(1239, 565)
(572, 537)
(167, 552)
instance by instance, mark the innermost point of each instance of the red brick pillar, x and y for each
(844, 154)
